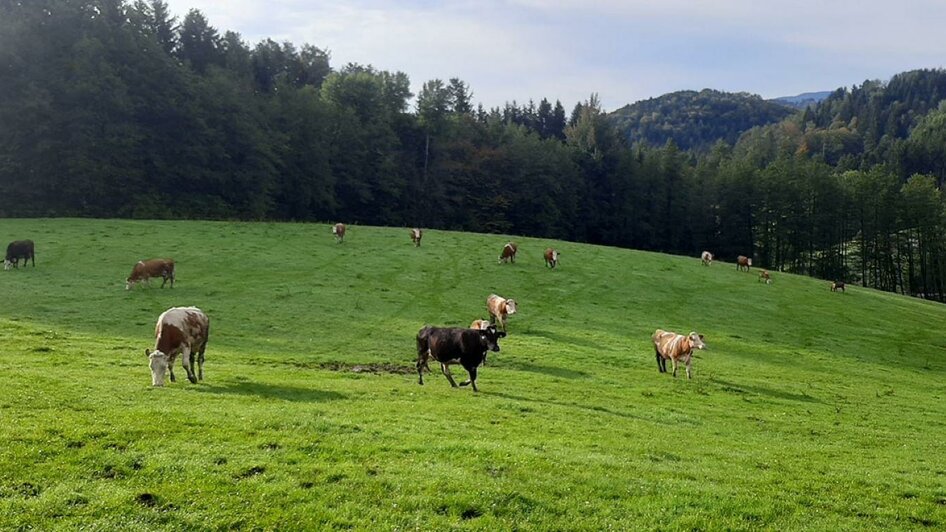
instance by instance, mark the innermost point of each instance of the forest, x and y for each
(120, 109)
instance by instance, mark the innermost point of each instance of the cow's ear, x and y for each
(147, 352)
(501, 334)
(701, 337)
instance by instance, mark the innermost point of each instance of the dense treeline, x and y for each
(696, 120)
(118, 109)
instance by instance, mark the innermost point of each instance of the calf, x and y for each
(180, 330)
(144, 270)
(765, 277)
(19, 249)
(551, 257)
(479, 324)
(454, 345)
(837, 285)
(416, 235)
(675, 347)
(743, 262)
(339, 231)
(500, 308)
(707, 258)
(508, 253)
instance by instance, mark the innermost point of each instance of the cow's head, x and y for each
(129, 283)
(749, 262)
(490, 337)
(510, 306)
(696, 341)
(7, 264)
(159, 366)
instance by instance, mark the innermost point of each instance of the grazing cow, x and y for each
(765, 277)
(180, 330)
(509, 253)
(19, 249)
(837, 285)
(144, 270)
(454, 345)
(479, 324)
(416, 235)
(707, 258)
(500, 308)
(743, 262)
(339, 231)
(675, 347)
(551, 257)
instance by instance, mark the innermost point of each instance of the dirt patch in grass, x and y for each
(379, 368)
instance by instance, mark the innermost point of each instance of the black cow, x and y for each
(19, 249)
(455, 345)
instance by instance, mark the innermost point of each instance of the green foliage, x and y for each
(695, 120)
(802, 414)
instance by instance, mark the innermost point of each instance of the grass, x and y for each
(810, 410)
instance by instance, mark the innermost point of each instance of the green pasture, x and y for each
(809, 410)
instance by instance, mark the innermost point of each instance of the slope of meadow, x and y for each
(809, 410)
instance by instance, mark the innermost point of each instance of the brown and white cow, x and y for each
(707, 258)
(180, 331)
(339, 231)
(416, 235)
(675, 347)
(837, 285)
(551, 257)
(508, 253)
(479, 324)
(144, 270)
(500, 308)
(19, 249)
(765, 277)
(743, 262)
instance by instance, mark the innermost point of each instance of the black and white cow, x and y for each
(455, 345)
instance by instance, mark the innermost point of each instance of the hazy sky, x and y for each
(625, 50)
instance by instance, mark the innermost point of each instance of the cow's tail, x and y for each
(423, 350)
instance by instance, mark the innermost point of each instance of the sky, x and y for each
(623, 50)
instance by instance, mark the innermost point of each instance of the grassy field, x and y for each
(810, 410)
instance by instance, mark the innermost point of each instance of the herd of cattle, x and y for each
(185, 331)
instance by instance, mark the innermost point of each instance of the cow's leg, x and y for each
(660, 367)
(446, 371)
(187, 358)
(472, 380)
(164, 280)
(171, 359)
(688, 368)
(421, 364)
(674, 362)
(200, 362)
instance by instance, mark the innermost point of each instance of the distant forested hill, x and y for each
(805, 99)
(696, 120)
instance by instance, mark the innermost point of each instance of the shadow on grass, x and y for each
(561, 338)
(272, 391)
(761, 390)
(599, 409)
(552, 371)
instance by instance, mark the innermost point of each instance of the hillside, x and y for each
(803, 100)
(810, 409)
(696, 120)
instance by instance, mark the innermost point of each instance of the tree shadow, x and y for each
(272, 391)
(761, 390)
(520, 365)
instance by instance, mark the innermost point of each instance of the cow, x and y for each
(743, 262)
(508, 253)
(675, 347)
(19, 249)
(500, 308)
(479, 324)
(455, 345)
(551, 257)
(707, 258)
(765, 277)
(416, 235)
(144, 270)
(339, 231)
(180, 330)
(837, 285)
